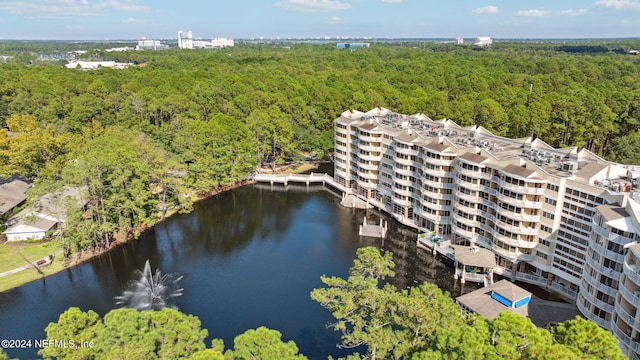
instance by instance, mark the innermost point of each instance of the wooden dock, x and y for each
(373, 230)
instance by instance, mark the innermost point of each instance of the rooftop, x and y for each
(474, 256)
(12, 194)
(475, 143)
(541, 312)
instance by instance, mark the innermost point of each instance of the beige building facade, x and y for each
(559, 218)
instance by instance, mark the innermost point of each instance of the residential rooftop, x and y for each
(445, 136)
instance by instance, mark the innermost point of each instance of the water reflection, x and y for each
(249, 258)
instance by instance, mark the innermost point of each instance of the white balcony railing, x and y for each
(632, 298)
(632, 272)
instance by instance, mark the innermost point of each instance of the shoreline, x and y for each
(87, 255)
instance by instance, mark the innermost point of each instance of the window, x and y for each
(608, 281)
(553, 187)
(542, 255)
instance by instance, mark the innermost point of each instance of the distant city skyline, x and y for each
(244, 19)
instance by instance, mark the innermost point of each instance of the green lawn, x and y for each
(10, 259)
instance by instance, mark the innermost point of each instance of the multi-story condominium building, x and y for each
(559, 218)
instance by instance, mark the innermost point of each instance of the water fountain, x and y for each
(151, 291)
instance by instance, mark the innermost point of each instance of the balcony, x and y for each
(626, 317)
(438, 206)
(435, 195)
(438, 173)
(517, 229)
(436, 218)
(369, 148)
(609, 235)
(485, 175)
(563, 290)
(471, 172)
(606, 252)
(532, 279)
(371, 167)
(517, 215)
(599, 286)
(367, 175)
(467, 210)
(404, 182)
(486, 227)
(469, 235)
(491, 191)
(489, 216)
(434, 184)
(512, 256)
(403, 203)
(521, 203)
(367, 184)
(605, 270)
(520, 189)
(624, 339)
(514, 242)
(470, 186)
(598, 320)
(416, 196)
(434, 161)
(484, 242)
(470, 198)
(599, 303)
(407, 151)
(370, 139)
(632, 298)
(488, 203)
(405, 172)
(632, 272)
(370, 156)
(400, 161)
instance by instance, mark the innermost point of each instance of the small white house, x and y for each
(28, 225)
(45, 214)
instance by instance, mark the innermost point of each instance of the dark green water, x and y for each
(249, 257)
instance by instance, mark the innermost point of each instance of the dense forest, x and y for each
(143, 140)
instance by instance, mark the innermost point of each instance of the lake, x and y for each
(249, 257)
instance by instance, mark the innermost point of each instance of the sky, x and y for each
(243, 19)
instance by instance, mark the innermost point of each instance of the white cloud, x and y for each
(392, 1)
(573, 12)
(335, 20)
(312, 5)
(130, 20)
(69, 8)
(487, 10)
(532, 12)
(619, 4)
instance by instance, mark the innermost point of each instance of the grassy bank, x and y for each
(11, 257)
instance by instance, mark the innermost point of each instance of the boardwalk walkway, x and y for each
(296, 178)
(306, 179)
